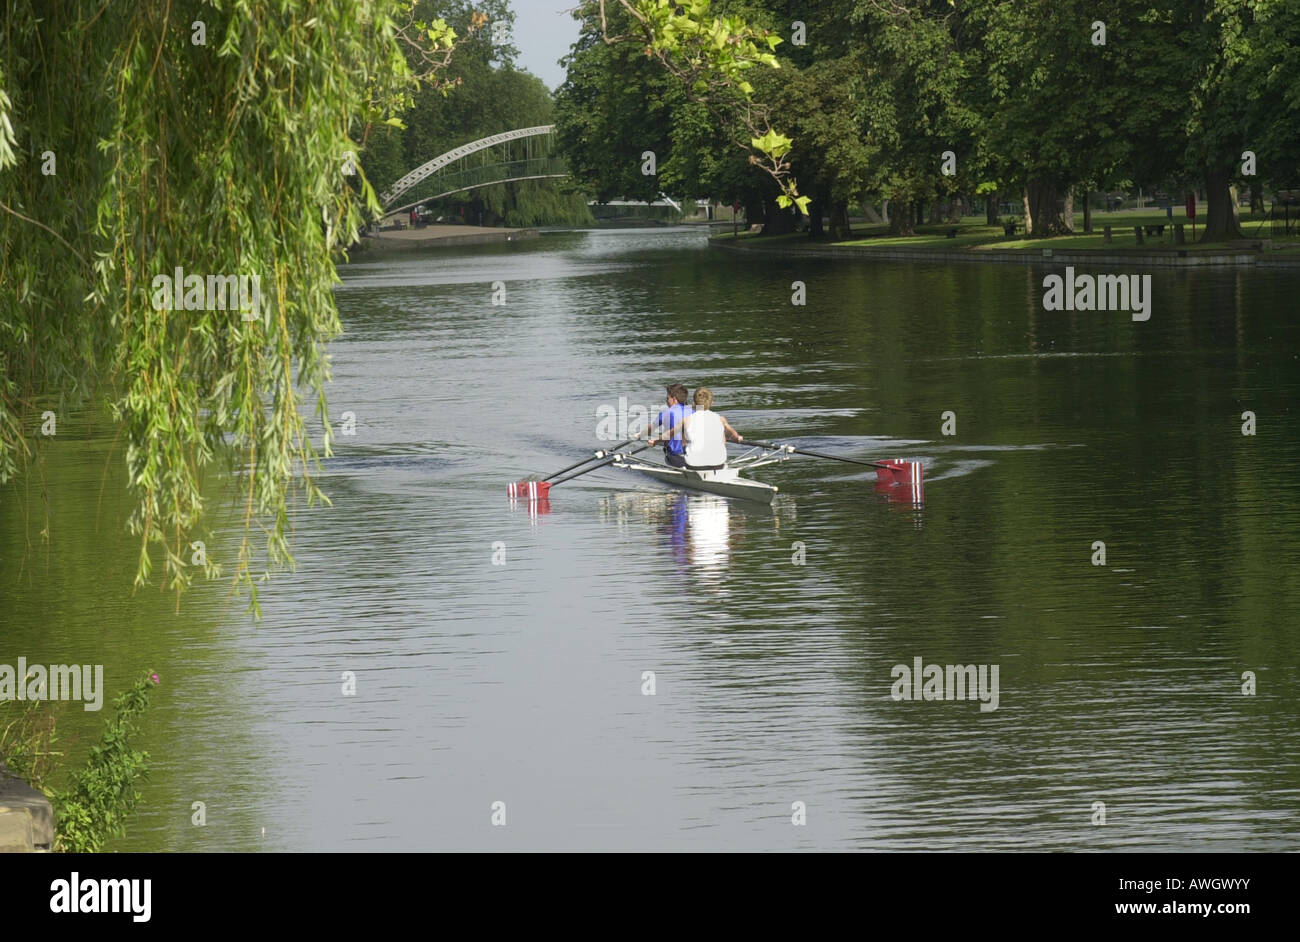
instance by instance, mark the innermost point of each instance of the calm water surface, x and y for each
(522, 683)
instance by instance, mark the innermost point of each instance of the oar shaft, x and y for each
(601, 464)
(577, 464)
(598, 454)
(816, 454)
(604, 461)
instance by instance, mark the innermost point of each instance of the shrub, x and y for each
(101, 795)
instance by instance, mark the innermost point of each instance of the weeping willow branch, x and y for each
(221, 155)
(37, 222)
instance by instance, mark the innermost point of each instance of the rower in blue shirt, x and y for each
(670, 421)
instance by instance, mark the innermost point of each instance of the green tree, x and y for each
(1271, 109)
(913, 105)
(1245, 96)
(1059, 107)
(617, 104)
(713, 58)
(1173, 97)
(223, 150)
(830, 159)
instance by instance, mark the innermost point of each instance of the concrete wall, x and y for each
(26, 818)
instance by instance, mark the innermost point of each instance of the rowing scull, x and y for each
(726, 481)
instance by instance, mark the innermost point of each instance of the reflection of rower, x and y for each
(706, 434)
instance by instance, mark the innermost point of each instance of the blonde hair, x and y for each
(703, 398)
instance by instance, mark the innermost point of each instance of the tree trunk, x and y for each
(779, 221)
(755, 211)
(936, 213)
(918, 210)
(873, 217)
(1041, 199)
(840, 220)
(1256, 197)
(901, 219)
(1220, 223)
(956, 209)
(815, 228)
(991, 208)
(1087, 211)
(1067, 216)
(884, 211)
(1029, 216)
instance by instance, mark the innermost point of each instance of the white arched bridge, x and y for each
(522, 154)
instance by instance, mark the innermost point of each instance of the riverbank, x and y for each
(26, 818)
(977, 243)
(436, 236)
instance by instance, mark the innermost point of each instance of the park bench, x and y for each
(1009, 228)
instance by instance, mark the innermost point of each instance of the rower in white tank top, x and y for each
(705, 433)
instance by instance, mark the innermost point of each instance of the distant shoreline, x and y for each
(435, 236)
(1192, 255)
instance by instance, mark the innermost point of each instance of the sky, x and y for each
(543, 32)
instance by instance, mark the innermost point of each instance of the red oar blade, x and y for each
(529, 490)
(898, 471)
(908, 475)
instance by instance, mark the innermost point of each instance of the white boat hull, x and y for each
(726, 482)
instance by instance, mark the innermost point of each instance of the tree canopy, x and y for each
(1040, 98)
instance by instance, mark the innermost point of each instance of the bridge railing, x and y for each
(390, 195)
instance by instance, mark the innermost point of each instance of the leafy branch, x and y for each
(711, 57)
(102, 794)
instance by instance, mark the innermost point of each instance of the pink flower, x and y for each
(154, 678)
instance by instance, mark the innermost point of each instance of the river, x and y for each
(503, 655)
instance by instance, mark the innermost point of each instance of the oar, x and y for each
(594, 456)
(604, 453)
(893, 467)
(612, 458)
(815, 454)
(536, 490)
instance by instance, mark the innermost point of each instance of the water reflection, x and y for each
(700, 532)
(535, 507)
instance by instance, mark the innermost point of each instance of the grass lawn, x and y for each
(974, 235)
